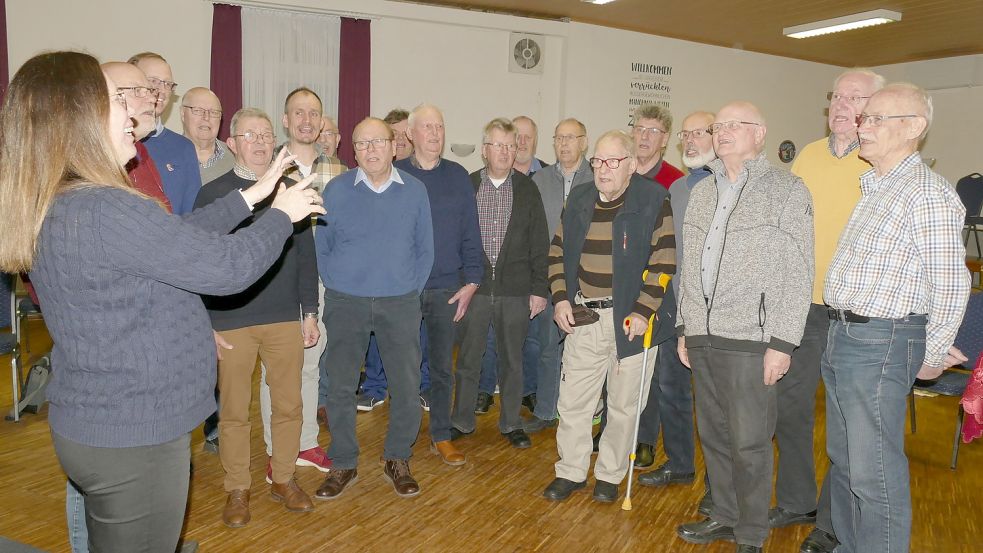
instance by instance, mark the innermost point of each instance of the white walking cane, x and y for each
(646, 344)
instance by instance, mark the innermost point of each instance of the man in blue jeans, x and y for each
(897, 289)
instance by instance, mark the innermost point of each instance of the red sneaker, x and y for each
(314, 457)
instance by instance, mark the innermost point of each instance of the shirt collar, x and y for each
(831, 144)
(416, 163)
(869, 181)
(244, 172)
(394, 176)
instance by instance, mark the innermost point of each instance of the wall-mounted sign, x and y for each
(649, 83)
(786, 151)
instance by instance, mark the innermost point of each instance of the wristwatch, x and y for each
(310, 315)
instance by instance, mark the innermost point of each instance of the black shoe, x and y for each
(780, 518)
(662, 476)
(745, 548)
(705, 531)
(518, 439)
(536, 424)
(819, 541)
(529, 402)
(605, 492)
(597, 444)
(457, 434)
(485, 401)
(706, 504)
(210, 445)
(644, 456)
(561, 488)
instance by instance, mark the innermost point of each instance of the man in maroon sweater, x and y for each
(651, 126)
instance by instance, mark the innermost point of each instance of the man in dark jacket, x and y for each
(612, 236)
(514, 237)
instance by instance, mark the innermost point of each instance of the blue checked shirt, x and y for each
(902, 252)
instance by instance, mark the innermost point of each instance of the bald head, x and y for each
(201, 116)
(897, 118)
(738, 133)
(139, 98)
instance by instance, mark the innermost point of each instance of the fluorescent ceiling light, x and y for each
(845, 23)
(597, 1)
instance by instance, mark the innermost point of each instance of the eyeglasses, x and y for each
(119, 98)
(696, 134)
(836, 96)
(729, 125)
(612, 163)
(501, 146)
(362, 145)
(639, 130)
(251, 137)
(164, 86)
(139, 91)
(564, 138)
(205, 112)
(876, 120)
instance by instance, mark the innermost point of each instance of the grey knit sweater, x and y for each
(118, 279)
(764, 282)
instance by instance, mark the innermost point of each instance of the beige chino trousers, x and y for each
(590, 357)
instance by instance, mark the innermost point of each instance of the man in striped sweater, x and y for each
(610, 234)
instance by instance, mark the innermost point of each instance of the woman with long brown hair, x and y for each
(119, 278)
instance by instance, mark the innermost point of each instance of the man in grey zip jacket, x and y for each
(745, 290)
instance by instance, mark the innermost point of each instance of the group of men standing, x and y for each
(755, 280)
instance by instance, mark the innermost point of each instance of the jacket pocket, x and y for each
(762, 316)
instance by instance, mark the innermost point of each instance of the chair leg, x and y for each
(911, 408)
(960, 417)
(15, 377)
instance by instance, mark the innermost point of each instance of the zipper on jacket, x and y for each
(723, 243)
(762, 316)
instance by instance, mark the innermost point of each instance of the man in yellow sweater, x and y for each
(831, 168)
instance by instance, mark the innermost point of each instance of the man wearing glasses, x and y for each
(398, 120)
(263, 321)
(897, 288)
(612, 257)
(651, 125)
(174, 155)
(515, 243)
(375, 252)
(669, 408)
(744, 292)
(201, 117)
(831, 169)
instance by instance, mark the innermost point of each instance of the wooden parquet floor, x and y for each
(491, 504)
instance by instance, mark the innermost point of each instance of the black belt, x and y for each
(599, 304)
(846, 316)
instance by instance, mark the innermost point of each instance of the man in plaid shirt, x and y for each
(897, 288)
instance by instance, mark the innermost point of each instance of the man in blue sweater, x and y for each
(458, 267)
(375, 252)
(174, 155)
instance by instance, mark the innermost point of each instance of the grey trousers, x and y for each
(510, 317)
(795, 485)
(135, 497)
(736, 415)
(396, 322)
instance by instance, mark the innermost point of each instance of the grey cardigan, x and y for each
(764, 284)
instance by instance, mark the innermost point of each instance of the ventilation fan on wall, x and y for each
(526, 53)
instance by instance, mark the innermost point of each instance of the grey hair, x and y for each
(411, 118)
(500, 124)
(653, 111)
(627, 142)
(247, 112)
(878, 79)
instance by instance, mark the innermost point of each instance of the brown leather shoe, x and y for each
(293, 498)
(236, 512)
(397, 472)
(336, 482)
(447, 453)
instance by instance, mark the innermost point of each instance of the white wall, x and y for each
(956, 86)
(457, 60)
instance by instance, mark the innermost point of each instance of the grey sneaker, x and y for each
(367, 403)
(210, 445)
(425, 400)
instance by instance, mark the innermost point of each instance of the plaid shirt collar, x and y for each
(831, 144)
(870, 182)
(244, 172)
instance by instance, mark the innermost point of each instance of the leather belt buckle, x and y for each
(599, 304)
(846, 316)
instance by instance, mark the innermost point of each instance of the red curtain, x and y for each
(226, 79)
(4, 67)
(353, 82)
